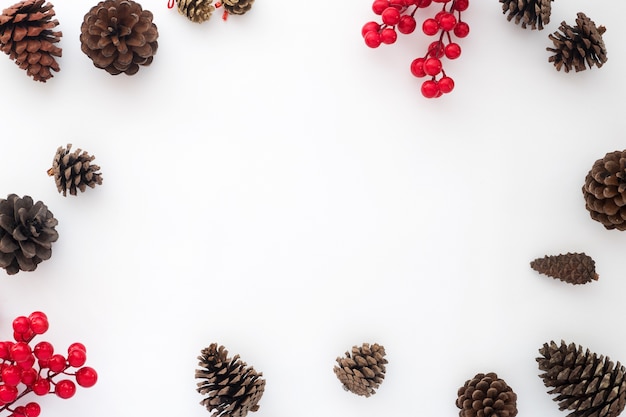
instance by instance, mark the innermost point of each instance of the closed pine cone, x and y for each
(573, 268)
(584, 383)
(605, 190)
(237, 6)
(27, 36)
(577, 47)
(119, 36)
(74, 171)
(27, 230)
(197, 11)
(533, 13)
(363, 371)
(231, 387)
(486, 395)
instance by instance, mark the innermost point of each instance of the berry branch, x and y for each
(399, 16)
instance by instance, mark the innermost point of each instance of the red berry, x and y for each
(447, 21)
(76, 358)
(461, 30)
(8, 394)
(32, 409)
(446, 84)
(21, 324)
(432, 66)
(388, 36)
(5, 349)
(372, 39)
(435, 49)
(370, 27)
(29, 376)
(43, 350)
(20, 351)
(56, 363)
(452, 50)
(391, 16)
(379, 6)
(407, 24)
(41, 387)
(27, 363)
(77, 345)
(424, 3)
(460, 5)
(65, 389)
(430, 27)
(417, 67)
(19, 412)
(86, 377)
(11, 375)
(38, 322)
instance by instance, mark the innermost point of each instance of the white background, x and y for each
(273, 185)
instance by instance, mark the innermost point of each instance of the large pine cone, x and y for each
(74, 171)
(576, 46)
(119, 36)
(237, 6)
(573, 268)
(533, 13)
(27, 36)
(486, 395)
(363, 371)
(586, 384)
(197, 11)
(232, 388)
(27, 231)
(605, 190)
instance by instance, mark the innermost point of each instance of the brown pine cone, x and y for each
(233, 389)
(533, 13)
(74, 171)
(576, 46)
(27, 230)
(363, 371)
(573, 268)
(119, 36)
(486, 395)
(197, 11)
(586, 384)
(27, 36)
(237, 6)
(605, 190)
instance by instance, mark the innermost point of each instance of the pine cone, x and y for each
(237, 6)
(605, 190)
(586, 384)
(364, 370)
(533, 13)
(486, 395)
(574, 268)
(232, 388)
(578, 45)
(27, 36)
(119, 36)
(197, 11)
(74, 171)
(27, 231)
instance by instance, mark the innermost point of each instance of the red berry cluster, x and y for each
(38, 369)
(399, 16)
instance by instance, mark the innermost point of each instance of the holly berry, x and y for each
(452, 50)
(86, 377)
(76, 357)
(41, 386)
(436, 49)
(417, 67)
(447, 21)
(8, 394)
(65, 389)
(43, 351)
(391, 16)
(461, 30)
(370, 27)
(32, 409)
(21, 324)
(432, 66)
(38, 322)
(430, 89)
(430, 27)
(446, 84)
(373, 39)
(380, 6)
(460, 5)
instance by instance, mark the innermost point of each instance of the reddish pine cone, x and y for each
(237, 6)
(577, 47)
(605, 190)
(363, 371)
(486, 395)
(584, 383)
(533, 13)
(27, 36)
(573, 268)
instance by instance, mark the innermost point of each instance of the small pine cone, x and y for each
(533, 13)
(573, 268)
(74, 171)
(119, 36)
(237, 6)
(363, 371)
(486, 395)
(586, 384)
(27, 231)
(232, 388)
(27, 36)
(197, 11)
(605, 190)
(576, 46)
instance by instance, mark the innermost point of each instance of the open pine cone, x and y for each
(231, 387)
(197, 11)
(119, 36)
(573, 268)
(584, 383)
(533, 13)
(605, 190)
(363, 371)
(27, 35)
(577, 47)
(27, 230)
(486, 395)
(237, 6)
(74, 171)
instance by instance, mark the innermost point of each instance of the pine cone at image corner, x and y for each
(573, 268)
(119, 36)
(587, 384)
(579, 46)
(486, 395)
(605, 190)
(533, 13)
(232, 388)
(363, 370)
(27, 35)
(73, 171)
(27, 230)
(197, 11)
(237, 6)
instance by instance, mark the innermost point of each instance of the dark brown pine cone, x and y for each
(74, 171)
(231, 387)
(363, 371)
(573, 268)
(533, 13)
(605, 190)
(197, 11)
(584, 383)
(27, 230)
(119, 36)
(577, 47)
(237, 6)
(27, 35)
(486, 395)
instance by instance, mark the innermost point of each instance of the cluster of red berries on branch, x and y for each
(37, 369)
(399, 16)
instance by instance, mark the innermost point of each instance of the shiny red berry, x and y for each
(391, 16)
(76, 358)
(430, 89)
(20, 351)
(8, 394)
(372, 39)
(41, 387)
(430, 27)
(379, 6)
(21, 324)
(38, 322)
(447, 21)
(407, 24)
(11, 375)
(65, 389)
(77, 345)
(29, 376)
(461, 30)
(435, 49)
(56, 363)
(432, 66)
(86, 377)
(27, 363)
(417, 67)
(452, 50)
(460, 5)
(43, 350)
(424, 3)
(370, 27)
(32, 409)
(446, 84)
(19, 411)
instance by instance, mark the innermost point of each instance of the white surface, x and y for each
(273, 185)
